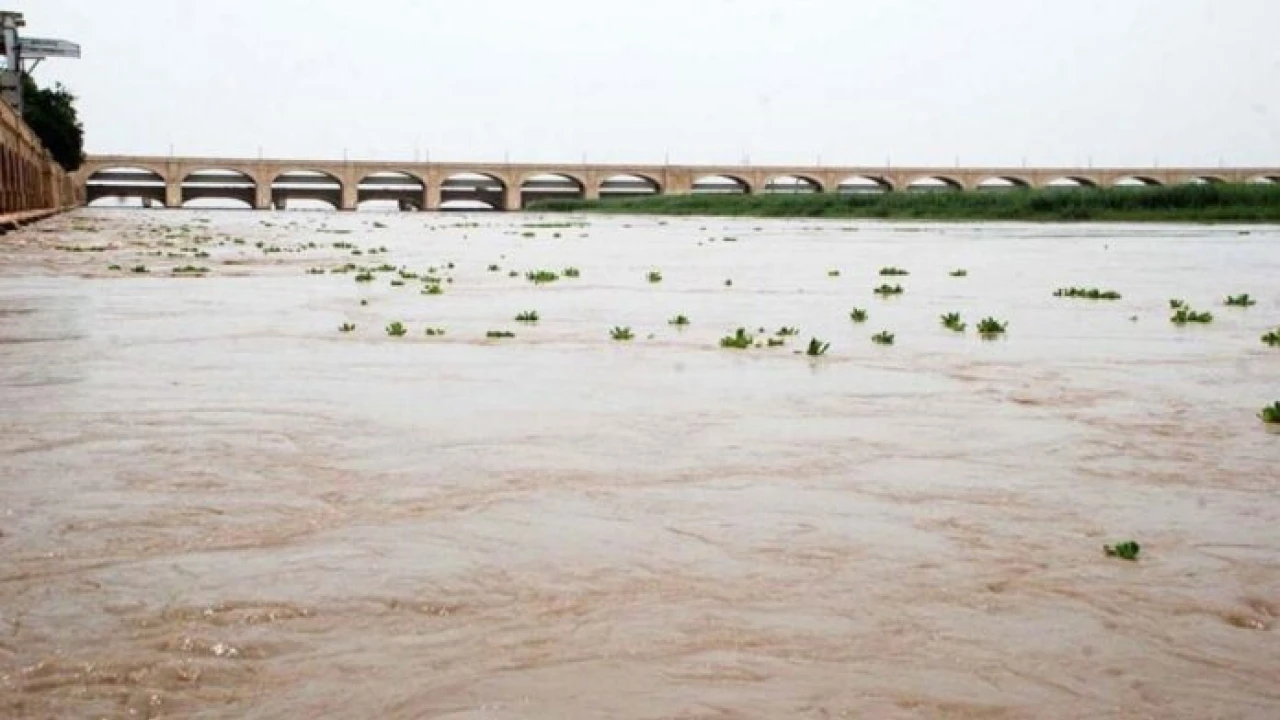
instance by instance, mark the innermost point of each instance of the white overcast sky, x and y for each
(1121, 82)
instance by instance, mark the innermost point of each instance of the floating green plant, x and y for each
(1184, 315)
(990, 326)
(1175, 304)
(315, 271)
(346, 327)
(654, 276)
(952, 321)
(739, 340)
(884, 337)
(513, 273)
(1127, 550)
(494, 268)
(538, 277)
(728, 283)
(113, 267)
(397, 283)
(1271, 413)
(364, 301)
(959, 272)
(433, 290)
(572, 272)
(833, 273)
(528, 316)
(887, 290)
(1272, 338)
(435, 331)
(776, 342)
(893, 271)
(679, 321)
(1240, 300)
(858, 315)
(189, 270)
(396, 329)
(1087, 293)
(139, 269)
(364, 277)
(499, 334)
(817, 348)
(621, 333)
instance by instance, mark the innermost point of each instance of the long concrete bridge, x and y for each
(271, 183)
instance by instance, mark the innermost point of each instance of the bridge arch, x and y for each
(218, 184)
(404, 190)
(123, 183)
(537, 186)
(1135, 181)
(1201, 180)
(792, 184)
(720, 184)
(1265, 180)
(473, 191)
(629, 185)
(856, 184)
(1071, 182)
(293, 184)
(1003, 182)
(934, 183)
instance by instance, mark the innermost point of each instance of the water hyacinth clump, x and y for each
(140, 269)
(397, 283)
(776, 342)
(621, 333)
(499, 334)
(679, 321)
(435, 331)
(1175, 303)
(433, 289)
(494, 268)
(346, 327)
(817, 348)
(528, 316)
(739, 340)
(654, 276)
(884, 337)
(572, 272)
(190, 270)
(887, 290)
(1240, 300)
(1271, 413)
(959, 272)
(989, 326)
(858, 315)
(540, 277)
(397, 329)
(1087, 293)
(952, 321)
(1127, 550)
(365, 276)
(785, 331)
(1185, 315)
(893, 271)
(833, 273)
(1272, 338)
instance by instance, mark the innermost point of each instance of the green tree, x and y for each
(51, 113)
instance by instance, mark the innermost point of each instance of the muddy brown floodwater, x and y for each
(213, 504)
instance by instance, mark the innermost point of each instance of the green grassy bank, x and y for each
(1182, 203)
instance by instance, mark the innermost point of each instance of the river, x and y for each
(215, 504)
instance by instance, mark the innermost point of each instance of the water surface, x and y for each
(214, 504)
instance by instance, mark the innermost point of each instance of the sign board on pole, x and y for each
(39, 48)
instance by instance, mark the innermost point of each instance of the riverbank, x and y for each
(1185, 203)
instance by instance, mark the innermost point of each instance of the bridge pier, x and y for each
(173, 193)
(349, 197)
(262, 195)
(432, 197)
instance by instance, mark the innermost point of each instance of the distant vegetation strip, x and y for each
(1182, 203)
